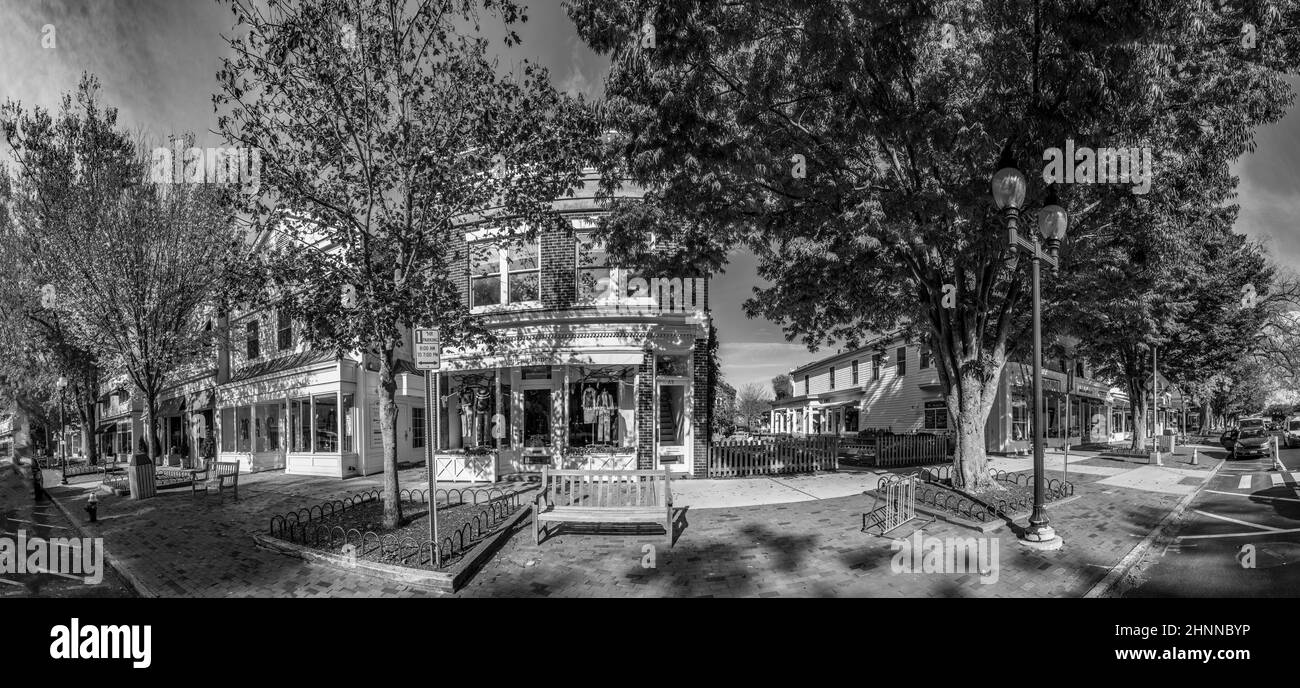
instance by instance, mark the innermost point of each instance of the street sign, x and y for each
(428, 348)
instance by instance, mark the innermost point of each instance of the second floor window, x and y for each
(925, 357)
(283, 330)
(595, 277)
(505, 275)
(831, 377)
(875, 367)
(902, 361)
(254, 348)
(805, 385)
(853, 373)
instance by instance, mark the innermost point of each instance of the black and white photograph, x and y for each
(558, 299)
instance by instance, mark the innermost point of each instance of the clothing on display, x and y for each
(605, 411)
(589, 405)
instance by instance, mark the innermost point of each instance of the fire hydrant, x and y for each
(92, 506)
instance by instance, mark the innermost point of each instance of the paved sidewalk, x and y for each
(174, 545)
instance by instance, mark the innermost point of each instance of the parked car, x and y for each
(1252, 422)
(1291, 433)
(1246, 441)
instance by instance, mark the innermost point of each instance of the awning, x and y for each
(202, 400)
(837, 404)
(171, 407)
(542, 358)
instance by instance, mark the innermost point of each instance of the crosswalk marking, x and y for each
(1275, 478)
(1295, 477)
(1236, 521)
(1244, 483)
(1270, 499)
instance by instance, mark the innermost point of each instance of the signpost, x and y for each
(428, 355)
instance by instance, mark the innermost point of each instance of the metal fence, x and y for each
(315, 527)
(773, 456)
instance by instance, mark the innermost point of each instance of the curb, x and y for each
(120, 567)
(1106, 586)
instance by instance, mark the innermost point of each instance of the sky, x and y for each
(156, 61)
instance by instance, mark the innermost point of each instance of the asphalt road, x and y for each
(1240, 536)
(21, 513)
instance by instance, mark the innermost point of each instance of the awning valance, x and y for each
(171, 407)
(542, 358)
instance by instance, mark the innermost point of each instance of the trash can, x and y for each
(1165, 443)
(140, 476)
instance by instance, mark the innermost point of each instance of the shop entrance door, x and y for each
(672, 425)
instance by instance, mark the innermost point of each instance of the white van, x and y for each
(1291, 432)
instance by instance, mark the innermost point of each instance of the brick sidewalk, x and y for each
(179, 546)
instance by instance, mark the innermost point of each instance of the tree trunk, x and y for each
(388, 430)
(87, 414)
(1139, 404)
(974, 400)
(150, 412)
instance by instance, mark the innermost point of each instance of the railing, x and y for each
(733, 458)
(907, 450)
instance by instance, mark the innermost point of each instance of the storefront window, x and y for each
(266, 427)
(537, 418)
(503, 409)
(1019, 417)
(228, 429)
(936, 415)
(300, 420)
(327, 423)
(593, 414)
(244, 423)
(349, 432)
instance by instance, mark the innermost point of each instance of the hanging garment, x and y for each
(482, 411)
(589, 405)
(605, 412)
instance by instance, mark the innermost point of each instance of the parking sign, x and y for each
(428, 348)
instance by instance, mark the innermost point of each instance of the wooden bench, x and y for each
(604, 497)
(222, 475)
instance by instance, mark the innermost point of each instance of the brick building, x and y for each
(597, 365)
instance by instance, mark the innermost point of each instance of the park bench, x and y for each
(569, 496)
(223, 475)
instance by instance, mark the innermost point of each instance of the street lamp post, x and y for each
(63, 431)
(1008, 189)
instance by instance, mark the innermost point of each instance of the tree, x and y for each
(724, 409)
(752, 401)
(384, 125)
(36, 346)
(134, 263)
(782, 387)
(850, 146)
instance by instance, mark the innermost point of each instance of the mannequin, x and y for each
(605, 411)
(482, 414)
(589, 405)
